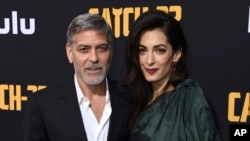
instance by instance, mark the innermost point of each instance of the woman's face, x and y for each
(156, 56)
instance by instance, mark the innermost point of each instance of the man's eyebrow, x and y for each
(83, 45)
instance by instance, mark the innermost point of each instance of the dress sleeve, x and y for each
(200, 123)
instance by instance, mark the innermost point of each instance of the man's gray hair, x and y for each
(89, 21)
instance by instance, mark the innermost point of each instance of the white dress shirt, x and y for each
(95, 131)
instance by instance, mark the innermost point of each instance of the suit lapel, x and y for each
(70, 111)
(118, 119)
(69, 108)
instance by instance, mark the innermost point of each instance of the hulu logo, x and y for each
(15, 25)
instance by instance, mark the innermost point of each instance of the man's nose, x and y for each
(93, 56)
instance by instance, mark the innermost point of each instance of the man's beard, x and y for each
(98, 78)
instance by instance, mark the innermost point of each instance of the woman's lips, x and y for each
(151, 71)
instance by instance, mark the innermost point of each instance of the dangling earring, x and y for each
(174, 65)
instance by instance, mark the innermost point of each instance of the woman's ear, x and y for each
(177, 55)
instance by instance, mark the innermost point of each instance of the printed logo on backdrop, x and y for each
(239, 115)
(12, 96)
(239, 107)
(124, 14)
(16, 24)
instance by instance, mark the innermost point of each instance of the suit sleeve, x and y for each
(33, 128)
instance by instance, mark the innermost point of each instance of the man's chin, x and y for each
(94, 81)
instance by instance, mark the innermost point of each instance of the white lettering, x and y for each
(26, 31)
(237, 132)
(240, 132)
(6, 28)
(243, 131)
(14, 22)
(23, 28)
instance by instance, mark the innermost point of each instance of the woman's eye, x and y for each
(142, 50)
(161, 50)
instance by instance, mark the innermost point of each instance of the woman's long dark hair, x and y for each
(134, 79)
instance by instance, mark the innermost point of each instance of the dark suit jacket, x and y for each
(53, 114)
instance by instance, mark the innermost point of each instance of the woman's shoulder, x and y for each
(189, 85)
(191, 90)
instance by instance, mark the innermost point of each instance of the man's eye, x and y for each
(103, 48)
(83, 49)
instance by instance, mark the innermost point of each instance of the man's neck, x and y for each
(92, 91)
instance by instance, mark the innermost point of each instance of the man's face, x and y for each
(90, 54)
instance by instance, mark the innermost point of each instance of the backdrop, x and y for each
(32, 51)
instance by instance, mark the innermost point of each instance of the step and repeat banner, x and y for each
(32, 52)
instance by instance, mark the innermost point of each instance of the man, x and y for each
(88, 107)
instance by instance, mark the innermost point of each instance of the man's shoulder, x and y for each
(116, 91)
(55, 89)
(115, 86)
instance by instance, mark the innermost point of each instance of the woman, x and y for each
(168, 105)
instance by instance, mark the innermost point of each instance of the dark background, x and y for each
(218, 50)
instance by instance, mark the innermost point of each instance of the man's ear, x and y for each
(69, 53)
